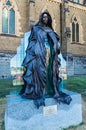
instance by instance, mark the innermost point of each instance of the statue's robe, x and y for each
(41, 63)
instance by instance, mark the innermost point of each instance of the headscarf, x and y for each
(40, 22)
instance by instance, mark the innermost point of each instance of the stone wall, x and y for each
(9, 44)
(54, 10)
(5, 65)
(70, 65)
(76, 65)
(23, 8)
(80, 65)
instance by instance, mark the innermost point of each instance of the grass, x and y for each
(2, 126)
(6, 87)
(73, 127)
(2, 111)
(77, 84)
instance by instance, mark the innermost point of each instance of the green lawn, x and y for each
(77, 84)
(6, 87)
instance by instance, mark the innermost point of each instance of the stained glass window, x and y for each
(77, 32)
(78, 1)
(73, 31)
(12, 22)
(8, 3)
(5, 20)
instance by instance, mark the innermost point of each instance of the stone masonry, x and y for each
(27, 14)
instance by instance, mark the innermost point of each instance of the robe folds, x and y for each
(41, 63)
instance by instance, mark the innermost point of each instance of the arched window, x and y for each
(78, 1)
(12, 21)
(75, 30)
(8, 19)
(5, 20)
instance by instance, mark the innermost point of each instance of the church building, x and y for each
(69, 21)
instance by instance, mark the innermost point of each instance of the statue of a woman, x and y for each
(41, 62)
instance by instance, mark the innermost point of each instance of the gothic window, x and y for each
(75, 30)
(8, 19)
(5, 20)
(78, 1)
(8, 3)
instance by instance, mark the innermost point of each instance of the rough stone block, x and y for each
(21, 114)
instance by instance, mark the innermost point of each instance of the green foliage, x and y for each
(6, 87)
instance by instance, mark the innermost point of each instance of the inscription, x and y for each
(50, 110)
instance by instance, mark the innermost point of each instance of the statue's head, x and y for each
(46, 19)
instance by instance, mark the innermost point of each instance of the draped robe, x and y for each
(41, 63)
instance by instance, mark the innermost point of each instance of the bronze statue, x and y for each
(41, 62)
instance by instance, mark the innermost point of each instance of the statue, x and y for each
(41, 64)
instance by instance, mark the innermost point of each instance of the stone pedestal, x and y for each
(21, 114)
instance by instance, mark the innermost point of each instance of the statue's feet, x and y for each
(57, 97)
(26, 96)
(21, 92)
(63, 97)
(39, 102)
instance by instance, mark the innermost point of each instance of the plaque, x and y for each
(50, 110)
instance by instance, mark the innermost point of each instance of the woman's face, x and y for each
(45, 19)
